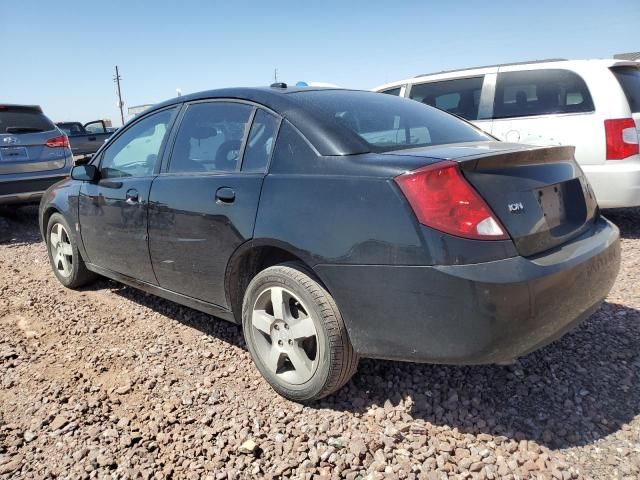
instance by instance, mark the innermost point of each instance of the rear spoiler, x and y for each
(531, 156)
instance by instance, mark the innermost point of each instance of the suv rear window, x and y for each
(387, 122)
(540, 92)
(629, 79)
(16, 119)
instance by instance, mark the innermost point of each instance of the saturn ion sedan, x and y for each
(334, 224)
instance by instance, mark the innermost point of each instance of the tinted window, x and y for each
(70, 128)
(629, 79)
(210, 137)
(134, 153)
(260, 142)
(540, 92)
(292, 153)
(461, 97)
(393, 91)
(386, 122)
(23, 120)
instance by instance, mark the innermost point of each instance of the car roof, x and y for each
(327, 139)
(546, 63)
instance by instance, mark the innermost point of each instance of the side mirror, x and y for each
(86, 173)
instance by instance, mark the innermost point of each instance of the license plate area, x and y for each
(563, 206)
(14, 154)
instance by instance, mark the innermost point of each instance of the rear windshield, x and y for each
(23, 120)
(629, 79)
(387, 122)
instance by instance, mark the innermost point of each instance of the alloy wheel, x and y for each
(285, 335)
(61, 250)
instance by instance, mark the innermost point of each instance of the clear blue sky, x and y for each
(62, 55)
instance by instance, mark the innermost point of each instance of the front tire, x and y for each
(64, 256)
(295, 334)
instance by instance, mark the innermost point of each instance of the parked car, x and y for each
(85, 139)
(34, 154)
(591, 104)
(334, 224)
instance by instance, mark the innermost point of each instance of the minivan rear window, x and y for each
(629, 79)
(386, 122)
(16, 119)
(540, 92)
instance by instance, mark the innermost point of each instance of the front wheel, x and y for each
(295, 334)
(64, 256)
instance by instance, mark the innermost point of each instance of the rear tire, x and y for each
(301, 348)
(64, 256)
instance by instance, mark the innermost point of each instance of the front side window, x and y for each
(540, 92)
(135, 152)
(210, 137)
(386, 122)
(393, 91)
(260, 142)
(460, 97)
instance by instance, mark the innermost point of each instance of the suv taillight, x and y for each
(58, 142)
(622, 138)
(443, 199)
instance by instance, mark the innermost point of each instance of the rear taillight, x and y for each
(58, 142)
(622, 138)
(442, 199)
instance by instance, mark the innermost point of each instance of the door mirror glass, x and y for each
(95, 127)
(85, 173)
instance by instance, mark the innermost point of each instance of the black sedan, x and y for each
(334, 224)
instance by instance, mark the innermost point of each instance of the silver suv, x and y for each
(34, 154)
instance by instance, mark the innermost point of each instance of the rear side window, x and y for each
(260, 142)
(385, 122)
(629, 79)
(540, 92)
(292, 153)
(460, 97)
(23, 120)
(210, 137)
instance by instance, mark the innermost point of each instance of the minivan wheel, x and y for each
(67, 264)
(295, 333)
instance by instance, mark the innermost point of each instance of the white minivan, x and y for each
(591, 104)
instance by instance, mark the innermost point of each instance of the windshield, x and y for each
(23, 120)
(387, 122)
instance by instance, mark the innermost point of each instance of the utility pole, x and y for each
(117, 79)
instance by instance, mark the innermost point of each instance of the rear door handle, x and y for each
(132, 196)
(225, 195)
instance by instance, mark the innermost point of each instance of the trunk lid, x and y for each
(539, 194)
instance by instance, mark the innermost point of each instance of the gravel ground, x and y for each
(112, 383)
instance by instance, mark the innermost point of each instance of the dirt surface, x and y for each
(110, 382)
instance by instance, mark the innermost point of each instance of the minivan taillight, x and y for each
(58, 142)
(443, 199)
(622, 138)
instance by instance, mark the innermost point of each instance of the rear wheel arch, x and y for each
(249, 260)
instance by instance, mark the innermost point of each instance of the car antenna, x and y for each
(278, 85)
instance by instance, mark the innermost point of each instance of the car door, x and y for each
(113, 211)
(203, 204)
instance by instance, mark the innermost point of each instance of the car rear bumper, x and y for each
(474, 314)
(26, 189)
(616, 183)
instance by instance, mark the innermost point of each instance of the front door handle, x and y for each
(92, 139)
(132, 196)
(225, 195)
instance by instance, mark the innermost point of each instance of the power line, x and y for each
(117, 79)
